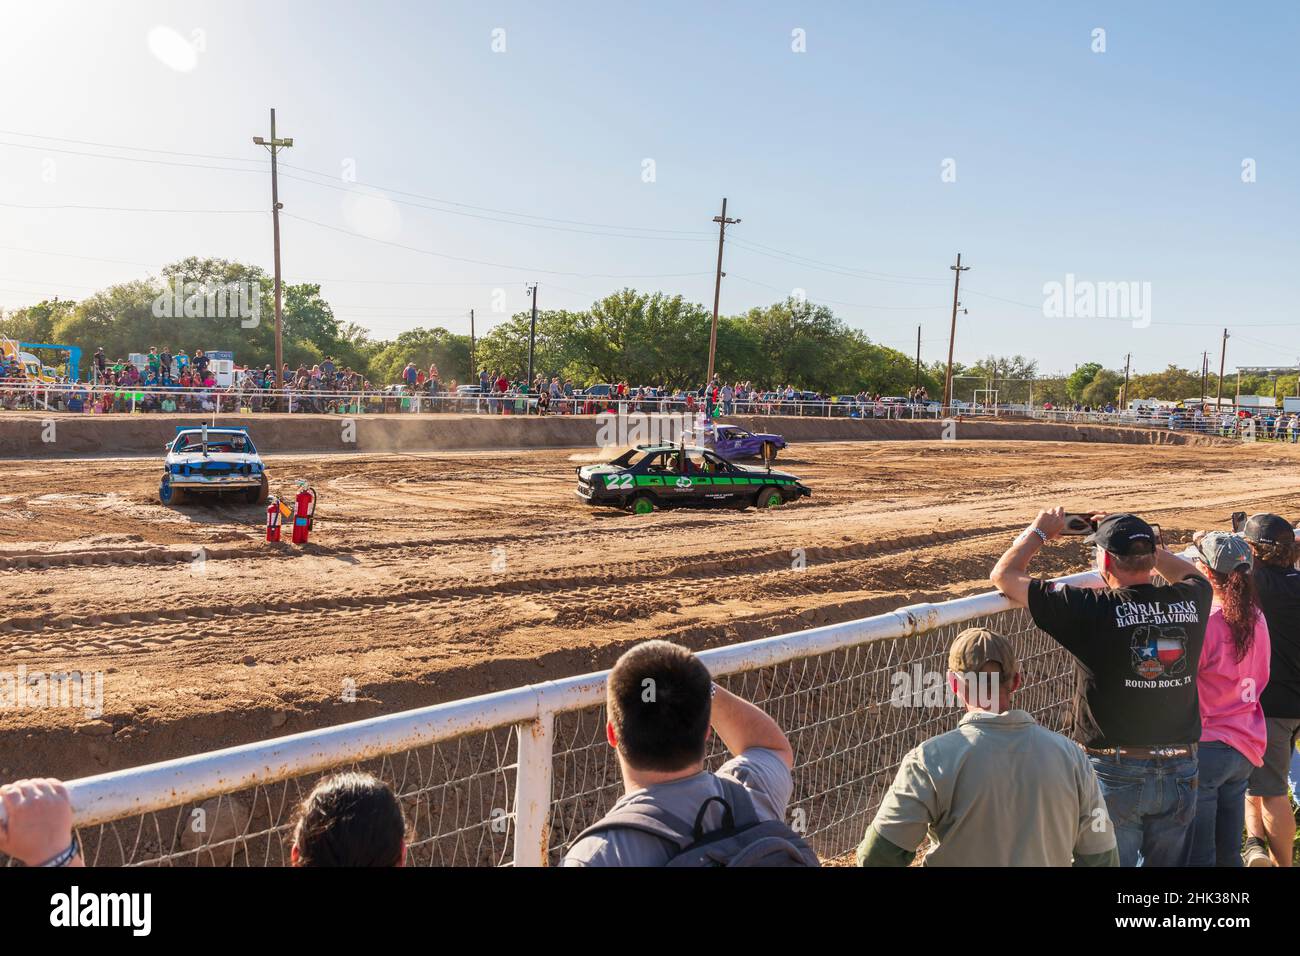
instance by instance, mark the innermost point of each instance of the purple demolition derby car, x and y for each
(732, 443)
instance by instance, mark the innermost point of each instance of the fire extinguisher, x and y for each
(273, 520)
(302, 515)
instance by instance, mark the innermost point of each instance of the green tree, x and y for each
(1174, 384)
(448, 350)
(1080, 379)
(1103, 388)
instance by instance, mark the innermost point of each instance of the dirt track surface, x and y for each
(434, 577)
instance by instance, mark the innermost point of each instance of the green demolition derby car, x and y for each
(653, 476)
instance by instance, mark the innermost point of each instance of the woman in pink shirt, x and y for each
(1232, 673)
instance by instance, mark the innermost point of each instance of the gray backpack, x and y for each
(742, 840)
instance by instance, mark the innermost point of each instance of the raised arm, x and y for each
(742, 725)
(1010, 575)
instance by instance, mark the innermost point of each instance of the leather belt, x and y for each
(1143, 753)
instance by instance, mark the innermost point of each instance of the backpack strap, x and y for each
(647, 818)
(742, 805)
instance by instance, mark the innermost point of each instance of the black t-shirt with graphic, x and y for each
(1279, 597)
(1136, 652)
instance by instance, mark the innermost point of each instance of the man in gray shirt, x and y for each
(661, 703)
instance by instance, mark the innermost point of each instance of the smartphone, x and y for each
(1079, 524)
(1238, 520)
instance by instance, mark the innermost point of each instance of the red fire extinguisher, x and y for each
(302, 515)
(273, 520)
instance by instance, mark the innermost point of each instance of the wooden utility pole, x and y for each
(1223, 354)
(958, 269)
(723, 222)
(275, 145)
(473, 362)
(1123, 392)
(532, 333)
(1205, 373)
(918, 356)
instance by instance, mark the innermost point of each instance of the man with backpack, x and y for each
(661, 704)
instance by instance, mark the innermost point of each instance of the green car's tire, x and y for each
(642, 505)
(769, 498)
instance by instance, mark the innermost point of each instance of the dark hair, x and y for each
(1141, 557)
(350, 819)
(1236, 591)
(660, 702)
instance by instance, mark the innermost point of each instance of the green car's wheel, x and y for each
(769, 498)
(642, 505)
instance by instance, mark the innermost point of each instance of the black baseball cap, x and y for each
(1268, 529)
(1122, 534)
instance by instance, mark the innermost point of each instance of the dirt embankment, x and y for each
(29, 435)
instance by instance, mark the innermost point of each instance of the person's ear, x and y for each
(293, 855)
(610, 735)
(1017, 681)
(401, 860)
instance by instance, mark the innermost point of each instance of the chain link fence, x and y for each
(535, 770)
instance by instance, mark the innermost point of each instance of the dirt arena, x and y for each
(437, 576)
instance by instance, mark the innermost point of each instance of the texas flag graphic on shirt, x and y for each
(1159, 651)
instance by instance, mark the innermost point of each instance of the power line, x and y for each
(130, 159)
(138, 149)
(16, 205)
(824, 267)
(856, 305)
(752, 246)
(483, 262)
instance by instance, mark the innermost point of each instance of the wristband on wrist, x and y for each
(67, 856)
(1037, 531)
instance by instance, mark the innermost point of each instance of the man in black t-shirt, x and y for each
(1269, 820)
(1137, 647)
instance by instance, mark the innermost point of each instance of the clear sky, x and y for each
(430, 170)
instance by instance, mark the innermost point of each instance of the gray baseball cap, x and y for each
(1224, 552)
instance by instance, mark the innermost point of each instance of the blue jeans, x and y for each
(1152, 803)
(1220, 805)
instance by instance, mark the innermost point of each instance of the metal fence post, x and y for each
(533, 790)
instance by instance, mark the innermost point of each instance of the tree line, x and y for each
(643, 338)
(638, 337)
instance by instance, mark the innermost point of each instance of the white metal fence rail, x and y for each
(511, 777)
(1258, 425)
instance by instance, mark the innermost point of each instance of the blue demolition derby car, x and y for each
(212, 460)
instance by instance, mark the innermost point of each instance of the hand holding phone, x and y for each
(1079, 524)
